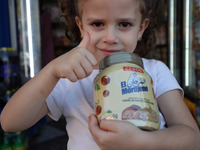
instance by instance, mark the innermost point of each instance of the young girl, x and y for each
(65, 85)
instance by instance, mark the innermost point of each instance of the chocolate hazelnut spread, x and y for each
(123, 90)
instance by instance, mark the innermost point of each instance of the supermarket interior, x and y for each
(32, 33)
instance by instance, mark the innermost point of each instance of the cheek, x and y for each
(130, 45)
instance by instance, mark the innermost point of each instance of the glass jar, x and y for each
(123, 90)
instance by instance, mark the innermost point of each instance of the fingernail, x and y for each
(93, 115)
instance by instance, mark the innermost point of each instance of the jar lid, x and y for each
(120, 57)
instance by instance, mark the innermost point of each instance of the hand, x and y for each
(75, 64)
(116, 135)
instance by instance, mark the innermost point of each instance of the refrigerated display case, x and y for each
(29, 39)
(29, 43)
(20, 30)
(174, 39)
(178, 46)
(191, 48)
(168, 43)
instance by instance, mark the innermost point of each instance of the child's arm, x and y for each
(182, 132)
(28, 104)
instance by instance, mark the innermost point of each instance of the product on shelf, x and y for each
(13, 141)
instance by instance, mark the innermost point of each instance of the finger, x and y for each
(111, 125)
(79, 71)
(90, 57)
(71, 76)
(96, 132)
(85, 41)
(85, 44)
(93, 123)
(87, 66)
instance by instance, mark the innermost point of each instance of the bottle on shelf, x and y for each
(5, 142)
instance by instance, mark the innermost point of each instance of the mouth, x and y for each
(109, 51)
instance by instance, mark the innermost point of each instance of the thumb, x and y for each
(93, 123)
(85, 41)
(111, 125)
(94, 129)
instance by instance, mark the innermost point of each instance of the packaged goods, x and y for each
(124, 91)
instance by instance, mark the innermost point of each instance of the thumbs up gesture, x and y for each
(75, 64)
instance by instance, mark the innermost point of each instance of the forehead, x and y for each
(106, 7)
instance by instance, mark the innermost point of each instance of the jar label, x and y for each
(125, 92)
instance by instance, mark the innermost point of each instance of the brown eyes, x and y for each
(125, 24)
(121, 25)
(97, 24)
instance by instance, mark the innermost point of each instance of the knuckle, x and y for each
(89, 71)
(81, 75)
(76, 55)
(64, 72)
(103, 123)
(72, 78)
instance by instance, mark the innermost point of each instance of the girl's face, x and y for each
(113, 25)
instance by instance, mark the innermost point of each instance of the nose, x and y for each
(111, 36)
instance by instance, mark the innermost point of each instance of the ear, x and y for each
(79, 24)
(143, 27)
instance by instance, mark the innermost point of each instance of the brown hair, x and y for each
(149, 9)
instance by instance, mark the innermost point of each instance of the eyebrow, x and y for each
(128, 19)
(93, 18)
(119, 19)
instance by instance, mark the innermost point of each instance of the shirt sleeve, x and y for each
(55, 101)
(163, 79)
(54, 111)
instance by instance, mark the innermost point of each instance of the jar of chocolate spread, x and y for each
(123, 90)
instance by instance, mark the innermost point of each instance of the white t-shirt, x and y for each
(75, 102)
